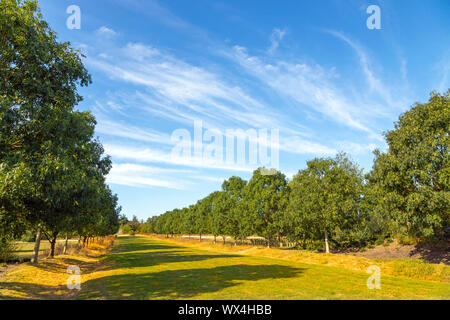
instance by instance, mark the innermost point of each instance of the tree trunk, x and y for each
(84, 242)
(65, 244)
(327, 248)
(235, 242)
(52, 245)
(37, 243)
(214, 239)
(200, 237)
(223, 237)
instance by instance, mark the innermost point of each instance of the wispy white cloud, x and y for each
(144, 176)
(148, 155)
(117, 129)
(308, 85)
(105, 31)
(189, 88)
(375, 83)
(443, 69)
(275, 39)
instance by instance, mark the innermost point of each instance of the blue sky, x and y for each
(310, 70)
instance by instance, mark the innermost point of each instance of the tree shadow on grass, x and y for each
(61, 263)
(129, 243)
(28, 291)
(181, 284)
(152, 258)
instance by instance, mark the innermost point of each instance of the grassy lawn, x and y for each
(148, 268)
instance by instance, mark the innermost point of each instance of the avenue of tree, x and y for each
(406, 194)
(52, 168)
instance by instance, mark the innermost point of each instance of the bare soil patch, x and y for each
(435, 254)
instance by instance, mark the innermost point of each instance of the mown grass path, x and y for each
(147, 268)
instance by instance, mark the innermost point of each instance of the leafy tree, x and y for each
(265, 198)
(123, 220)
(203, 215)
(189, 223)
(410, 182)
(326, 197)
(134, 224)
(51, 167)
(126, 229)
(221, 207)
(235, 218)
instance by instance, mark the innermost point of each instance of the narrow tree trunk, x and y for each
(52, 245)
(65, 244)
(327, 248)
(37, 243)
(84, 241)
(223, 237)
(214, 239)
(200, 237)
(235, 242)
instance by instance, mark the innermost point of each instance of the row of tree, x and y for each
(405, 194)
(52, 169)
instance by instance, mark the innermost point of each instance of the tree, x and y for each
(203, 215)
(221, 206)
(233, 188)
(51, 167)
(326, 197)
(189, 223)
(265, 198)
(410, 182)
(37, 88)
(134, 224)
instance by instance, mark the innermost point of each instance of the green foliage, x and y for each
(405, 195)
(221, 207)
(326, 200)
(51, 168)
(127, 229)
(264, 200)
(410, 182)
(7, 248)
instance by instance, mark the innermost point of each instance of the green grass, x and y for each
(148, 268)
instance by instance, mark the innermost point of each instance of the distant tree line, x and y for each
(406, 194)
(52, 169)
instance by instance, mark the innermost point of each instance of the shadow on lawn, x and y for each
(153, 258)
(29, 291)
(146, 254)
(181, 284)
(128, 244)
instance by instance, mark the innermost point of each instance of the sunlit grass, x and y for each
(149, 268)
(415, 269)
